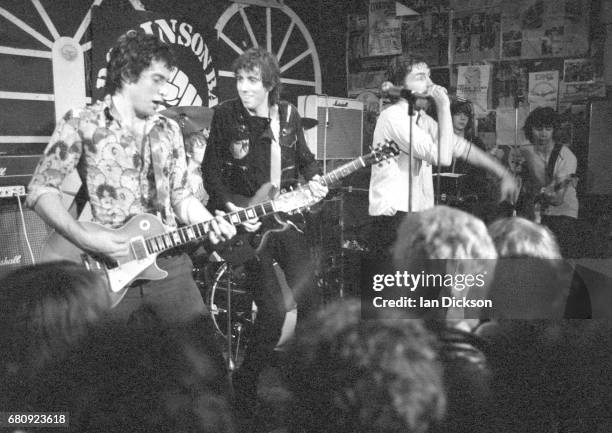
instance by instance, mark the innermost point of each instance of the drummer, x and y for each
(194, 123)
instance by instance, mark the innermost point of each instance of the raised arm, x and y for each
(475, 156)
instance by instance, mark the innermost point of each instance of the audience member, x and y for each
(532, 281)
(152, 379)
(354, 375)
(448, 241)
(46, 310)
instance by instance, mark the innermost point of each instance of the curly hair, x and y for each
(132, 54)
(358, 375)
(541, 116)
(442, 232)
(258, 58)
(518, 237)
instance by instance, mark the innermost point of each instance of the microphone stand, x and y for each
(407, 95)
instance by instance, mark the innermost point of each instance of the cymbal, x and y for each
(190, 118)
(308, 123)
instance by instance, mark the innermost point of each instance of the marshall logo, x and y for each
(11, 261)
(3, 171)
(340, 104)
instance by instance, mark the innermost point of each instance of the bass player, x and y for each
(257, 140)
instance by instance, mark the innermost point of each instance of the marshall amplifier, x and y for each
(14, 235)
(17, 169)
(339, 130)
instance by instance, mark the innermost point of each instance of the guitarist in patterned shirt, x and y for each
(131, 161)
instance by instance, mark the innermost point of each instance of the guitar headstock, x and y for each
(382, 152)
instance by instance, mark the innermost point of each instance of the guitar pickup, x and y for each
(139, 248)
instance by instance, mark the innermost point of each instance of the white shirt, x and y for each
(565, 166)
(389, 182)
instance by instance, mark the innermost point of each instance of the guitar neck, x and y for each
(343, 171)
(184, 235)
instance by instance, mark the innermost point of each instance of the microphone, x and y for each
(387, 88)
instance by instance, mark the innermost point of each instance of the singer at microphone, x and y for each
(387, 88)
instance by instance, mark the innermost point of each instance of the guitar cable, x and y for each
(25, 232)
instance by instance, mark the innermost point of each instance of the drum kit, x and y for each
(224, 285)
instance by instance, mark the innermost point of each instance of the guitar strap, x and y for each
(552, 160)
(275, 149)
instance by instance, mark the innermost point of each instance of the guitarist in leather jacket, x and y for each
(131, 161)
(552, 181)
(257, 140)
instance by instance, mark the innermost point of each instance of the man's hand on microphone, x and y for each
(439, 95)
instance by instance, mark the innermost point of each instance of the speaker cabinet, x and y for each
(339, 131)
(14, 252)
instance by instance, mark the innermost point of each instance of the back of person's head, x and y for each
(518, 237)
(441, 232)
(541, 117)
(446, 244)
(149, 379)
(531, 279)
(356, 375)
(259, 59)
(46, 309)
(133, 53)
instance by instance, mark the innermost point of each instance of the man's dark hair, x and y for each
(463, 106)
(258, 58)
(132, 54)
(541, 116)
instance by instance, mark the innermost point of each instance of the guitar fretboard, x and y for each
(343, 171)
(183, 235)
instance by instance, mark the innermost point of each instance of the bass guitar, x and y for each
(149, 237)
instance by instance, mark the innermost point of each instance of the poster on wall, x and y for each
(578, 71)
(543, 89)
(476, 36)
(509, 126)
(193, 82)
(368, 74)
(536, 29)
(384, 35)
(473, 84)
(357, 43)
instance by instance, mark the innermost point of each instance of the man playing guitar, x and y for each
(552, 177)
(131, 161)
(256, 140)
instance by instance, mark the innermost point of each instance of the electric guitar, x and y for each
(149, 236)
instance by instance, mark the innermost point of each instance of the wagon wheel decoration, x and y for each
(243, 26)
(67, 56)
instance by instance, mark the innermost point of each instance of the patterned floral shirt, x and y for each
(116, 167)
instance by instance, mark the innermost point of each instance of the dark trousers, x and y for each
(381, 235)
(173, 300)
(290, 251)
(566, 231)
